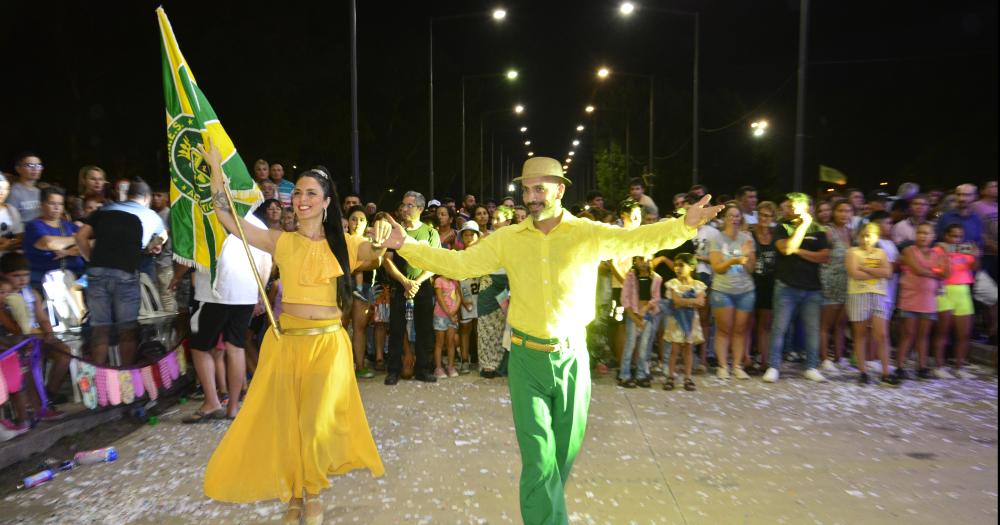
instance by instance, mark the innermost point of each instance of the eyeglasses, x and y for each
(408, 206)
(33, 166)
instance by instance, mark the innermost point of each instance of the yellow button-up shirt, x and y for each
(553, 277)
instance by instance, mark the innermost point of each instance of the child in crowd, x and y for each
(15, 379)
(641, 299)
(868, 271)
(381, 297)
(955, 307)
(923, 269)
(445, 324)
(27, 308)
(885, 243)
(683, 326)
(469, 235)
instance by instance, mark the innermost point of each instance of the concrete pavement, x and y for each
(732, 452)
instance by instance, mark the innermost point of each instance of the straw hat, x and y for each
(542, 167)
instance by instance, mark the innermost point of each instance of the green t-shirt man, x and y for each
(423, 233)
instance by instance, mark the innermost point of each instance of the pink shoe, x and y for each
(603, 369)
(452, 372)
(16, 429)
(440, 373)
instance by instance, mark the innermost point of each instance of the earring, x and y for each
(324, 214)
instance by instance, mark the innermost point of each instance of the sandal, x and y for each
(644, 382)
(203, 417)
(293, 513)
(314, 511)
(626, 383)
(669, 383)
(689, 385)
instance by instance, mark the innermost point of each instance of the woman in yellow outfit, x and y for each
(302, 419)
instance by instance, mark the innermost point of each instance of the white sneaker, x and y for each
(875, 367)
(722, 373)
(962, 374)
(813, 375)
(771, 375)
(738, 373)
(941, 373)
(828, 366)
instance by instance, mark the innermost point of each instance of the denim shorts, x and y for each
(442, 324)
(931, 316)
(743, 302)
(112, 296)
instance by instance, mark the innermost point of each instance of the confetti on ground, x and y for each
(747, 452)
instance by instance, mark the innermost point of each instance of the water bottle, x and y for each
(36, 479)
(101, 455)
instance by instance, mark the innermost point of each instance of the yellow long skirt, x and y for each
(302, 420)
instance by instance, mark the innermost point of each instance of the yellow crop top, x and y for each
(309, 269)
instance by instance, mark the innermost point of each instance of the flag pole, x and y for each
(253, 265)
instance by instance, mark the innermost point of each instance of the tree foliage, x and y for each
(612, 180)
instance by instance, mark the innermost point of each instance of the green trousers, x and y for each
(550, 397)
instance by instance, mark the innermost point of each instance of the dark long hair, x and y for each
(333, 227)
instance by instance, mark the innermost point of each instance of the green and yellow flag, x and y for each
(831, 175)
(196, 232)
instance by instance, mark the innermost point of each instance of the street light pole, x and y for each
(355, 147)
(430, 103)
(498, 15)
(463, 138)
(603, 73)
(511, 75)
(482, 152)
(649, 163)
(694, 100)
(800, 103)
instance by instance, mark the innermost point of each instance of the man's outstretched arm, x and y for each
(480, 259)
(651, 238)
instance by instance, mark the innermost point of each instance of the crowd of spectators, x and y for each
(795, 278)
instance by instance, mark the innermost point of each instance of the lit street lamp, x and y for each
(759, 128)
(498, 14)
(603, 73)
(576, 142)
(589, 109)
(625, 9)
(580, 127)
(518, 109)
(482, 147)
(524, 129)
(511, 75)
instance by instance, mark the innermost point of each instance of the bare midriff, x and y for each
(311, 311)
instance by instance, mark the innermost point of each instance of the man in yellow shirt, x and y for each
(551, 261)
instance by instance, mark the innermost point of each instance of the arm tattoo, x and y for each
(221, 203)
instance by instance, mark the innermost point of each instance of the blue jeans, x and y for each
(648, 337)
(112, 296)
(787, 302)
(644, 340)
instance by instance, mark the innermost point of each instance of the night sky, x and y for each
(896, 90)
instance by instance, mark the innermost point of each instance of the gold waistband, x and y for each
(532, 345)
(315, 330)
